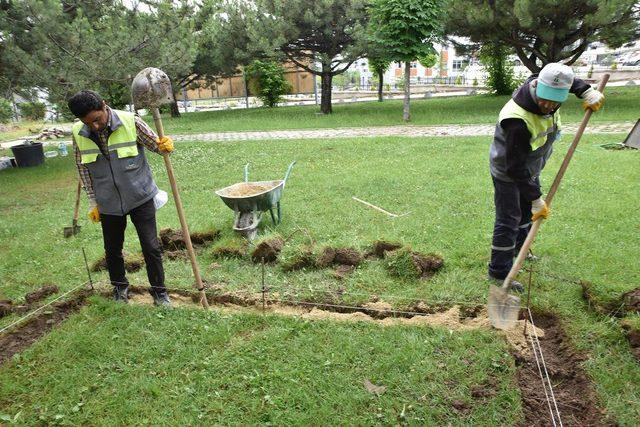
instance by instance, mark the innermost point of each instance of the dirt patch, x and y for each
(268, 250)
(132, 263)
(6, 307)
(25, 334)
(41, 293)
(633, 335)
(380, 247)
(174, 255)
(249, 189)
(231, 251)
(410, 264)
(574, 393)
(347, 256)
(172, 240)
(343, 271)
(631, 300)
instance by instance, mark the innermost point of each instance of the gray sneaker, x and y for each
(515, 286)
(121, 293)
(161, 299)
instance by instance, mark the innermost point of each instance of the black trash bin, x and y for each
(28, 154)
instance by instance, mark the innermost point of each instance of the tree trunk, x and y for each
(380, 77)
(406, 116)
(325, 103)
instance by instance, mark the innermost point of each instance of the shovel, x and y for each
(75, 228)
(503, 308)
(152, 88)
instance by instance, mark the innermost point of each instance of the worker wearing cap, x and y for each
(527, 127)
(110, 157)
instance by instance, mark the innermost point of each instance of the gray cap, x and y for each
(554, 82)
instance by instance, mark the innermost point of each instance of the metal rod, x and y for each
(86, 265)
(263, 288)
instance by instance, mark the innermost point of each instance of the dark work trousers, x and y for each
(144, 219)
(513, 222)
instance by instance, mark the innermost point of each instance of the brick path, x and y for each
(417, 131)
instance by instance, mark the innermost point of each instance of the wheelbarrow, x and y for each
(249, 200)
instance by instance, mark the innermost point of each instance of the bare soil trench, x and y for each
(574, 393)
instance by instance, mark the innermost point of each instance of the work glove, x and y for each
(165, 144)
(539, 209)
(592, 99)
(94, 214)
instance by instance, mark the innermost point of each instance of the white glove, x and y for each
(593, 99)
(539, 209)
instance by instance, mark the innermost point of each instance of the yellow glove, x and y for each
(165, 144)
(94, 214)
(539, 209)
(593, 99)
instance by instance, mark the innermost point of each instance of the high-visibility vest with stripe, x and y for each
(544, 130)
(122, 140)
(121, 179)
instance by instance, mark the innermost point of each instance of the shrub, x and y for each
(6, 112)
(501, 79)
(475, 81)
(267, 81)
(33, 110)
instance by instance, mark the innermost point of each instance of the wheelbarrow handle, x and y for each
(286, 175)
(246, 172)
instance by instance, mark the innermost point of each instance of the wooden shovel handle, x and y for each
(552, 191)
(183, 221)
(76, 209)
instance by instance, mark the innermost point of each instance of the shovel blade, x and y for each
(503, 308)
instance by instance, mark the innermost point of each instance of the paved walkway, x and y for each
(407, 130)
(375, 131)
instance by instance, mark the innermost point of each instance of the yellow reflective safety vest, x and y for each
(122, 180)
(544, 130)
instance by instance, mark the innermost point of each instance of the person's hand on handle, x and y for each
(539, 209)
(165, 144)
(592, 99)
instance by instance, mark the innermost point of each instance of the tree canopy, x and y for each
(543, 31)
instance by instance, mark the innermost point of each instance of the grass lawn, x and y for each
(442, 182)
(621, 105)
(132, 366)
(25, 128)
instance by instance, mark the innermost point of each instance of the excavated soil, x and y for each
(407, 263)
(633, 335)
(303, 260)
(380, 247)
(338, 256)
(574, 393)
(268, 250)
(41, 293)
(631, 300)
(249, 189)
(229, 252)
(343, 271)
(25, 334)
(132, 263)
(6, 307)
(172, 240)
(325, 258)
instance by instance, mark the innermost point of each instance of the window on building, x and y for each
(458, 64)
(414, 65)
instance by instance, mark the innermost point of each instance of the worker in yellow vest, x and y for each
(109, 150)
(527, 127)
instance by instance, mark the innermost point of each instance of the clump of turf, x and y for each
(268, 249)
(611, 299)
(41, 293)
(631, 326)
(132, 263)
(6, 307)
(298, 259)
(172, 240)
(341, 256)
(381, 247)
(409, 264)
(230, 249)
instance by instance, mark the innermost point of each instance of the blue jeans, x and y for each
(512, 224)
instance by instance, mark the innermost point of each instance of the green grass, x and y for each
(621, 105)
(25, 128)
(443, 183)
(119, 365)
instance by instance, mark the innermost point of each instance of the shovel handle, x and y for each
(77, 206)
(183, 221)
(552, 191)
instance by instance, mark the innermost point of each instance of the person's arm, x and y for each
(517, 149)
(85, 176)
(593, 98)
(146, 136)
(579, 86)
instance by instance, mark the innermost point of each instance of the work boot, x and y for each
(121, 293)
(515, 286)
(161, 299)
